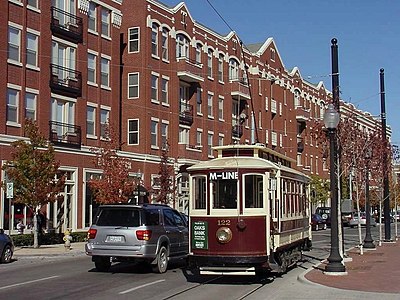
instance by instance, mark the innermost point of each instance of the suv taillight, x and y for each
(91, 233)
(143, 235)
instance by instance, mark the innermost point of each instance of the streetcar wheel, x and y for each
(162, 261)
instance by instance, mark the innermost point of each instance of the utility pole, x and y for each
(386, 200)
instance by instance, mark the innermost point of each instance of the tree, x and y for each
(166, 189)
(115, 185)
(34, 172)
(319, 190)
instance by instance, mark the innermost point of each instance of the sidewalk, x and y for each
(50, 250)
(374, 271)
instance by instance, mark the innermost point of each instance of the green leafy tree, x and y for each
(33, 171)
(319, 190)
(164, 194)
(115, 185)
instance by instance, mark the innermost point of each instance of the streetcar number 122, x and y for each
(224, 222)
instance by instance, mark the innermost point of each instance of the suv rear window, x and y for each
(118, 217)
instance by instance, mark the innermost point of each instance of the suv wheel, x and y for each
(102, 263)
(162, 261)
(6, 255)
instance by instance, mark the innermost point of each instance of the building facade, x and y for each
(153, 75)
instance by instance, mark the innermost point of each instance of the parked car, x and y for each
(151, 233)
(317, 222)
(325, 213)
(346, 217)
(363, 220)
(6, 247)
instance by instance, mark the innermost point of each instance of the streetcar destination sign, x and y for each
(223, 175)
(200, 235)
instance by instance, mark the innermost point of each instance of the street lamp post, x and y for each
(368, 241)
(335, 265)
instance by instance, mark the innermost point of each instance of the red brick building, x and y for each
(153, 74)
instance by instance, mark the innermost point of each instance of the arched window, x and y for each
(233, 69)
(296, 98)
(199, 49)
(182, 46)
(154, 39)
(210, 63)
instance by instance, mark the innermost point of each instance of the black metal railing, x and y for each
(65, 81)
(186, 114)
(66, 25)
(67, 135)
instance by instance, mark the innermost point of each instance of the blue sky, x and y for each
(368, 33)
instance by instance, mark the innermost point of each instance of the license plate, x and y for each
(115, 239)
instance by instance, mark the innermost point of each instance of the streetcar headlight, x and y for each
(224, 235)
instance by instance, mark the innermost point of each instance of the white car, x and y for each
(363, 220)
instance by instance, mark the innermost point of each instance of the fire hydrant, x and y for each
(67, 239)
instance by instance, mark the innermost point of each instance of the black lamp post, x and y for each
(368, 241)
(331, 121)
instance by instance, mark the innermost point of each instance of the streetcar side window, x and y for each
(199, 192)
(253, 191)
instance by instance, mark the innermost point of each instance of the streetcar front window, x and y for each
(199, 192)
(253, 191)
(224, 193)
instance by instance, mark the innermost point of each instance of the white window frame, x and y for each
(92, 67)
(210, 54)
(221, 68)
(104, 121)
(164, 44)
(105, 23)
(155, 78)
(133, 132)
(184, 135)
(155, 29)
(31, 106)
(32, 49)
(221, 108)
(199, 50)
(210, 138)
(15, 45)
(133, 86)
(105, 71)
(164, 133)
(199, 137)
(91, 120)
(13, 106)
(182, 46)
(233, 69)
(133, 39)
(164, 90)
(199, 101)
(92, 17)
(210, 105)
(154, 124)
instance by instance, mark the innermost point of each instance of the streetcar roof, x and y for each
(243, 162)
(235, 162)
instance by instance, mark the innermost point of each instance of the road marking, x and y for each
(141, 286)
(27, 282)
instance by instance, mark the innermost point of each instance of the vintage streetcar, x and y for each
(249, 212)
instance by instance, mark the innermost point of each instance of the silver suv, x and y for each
(152, 233)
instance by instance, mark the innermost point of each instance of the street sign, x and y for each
(10, 190)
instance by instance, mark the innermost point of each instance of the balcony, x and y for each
(66, 135)
(66, 26)
(237, 131)
(65, 81)
(189, 70)
(302, 114)
(240, 90)
(186, 114)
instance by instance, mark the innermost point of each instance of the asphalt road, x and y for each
(76, 278)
